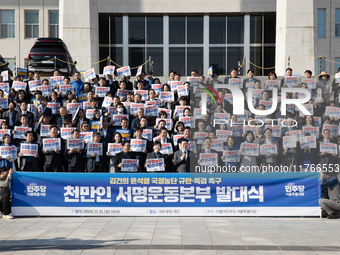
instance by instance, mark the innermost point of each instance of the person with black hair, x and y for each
(29, 163)
(5, 192)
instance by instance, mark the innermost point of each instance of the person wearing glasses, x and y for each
(125, 154)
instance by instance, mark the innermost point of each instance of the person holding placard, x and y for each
(230, 145)
(75, 156)
(7, 161)
(270, 159)
(53, 159)
(207, 149)
(24, 124)
(95, 163)
(290, 158)
(136, 121)
(247, 160)
(59, 119)
(29, 162)
(308, 156)
(326, 157)
(125, 154)
(250, 79)
(155, 154)
(141, 155)
(79, 119)
(117, 139)
(233, 75)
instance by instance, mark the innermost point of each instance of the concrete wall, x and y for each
(295, 36)
(79, 30)
(328, 47)
(187, 6)
(19, 46)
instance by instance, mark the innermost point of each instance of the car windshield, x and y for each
(48, 48)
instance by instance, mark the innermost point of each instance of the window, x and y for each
(321, 17)
(115, 24)
(195, 30)
(217, 59)
(31, 24)
(137, 30)
(337, 22)
(217, 29)
(7, 24)
(235, 29)
(10, 64)
(54, 24)
(154, 30)
(176, 30)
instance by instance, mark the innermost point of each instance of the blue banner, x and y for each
(143, 194)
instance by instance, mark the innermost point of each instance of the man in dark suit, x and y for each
(125, 154)
(250, 79)
(53, 159)
(43, 110)
(23, 111)
(141, 78)
(10, 115)
(106, 136)
(75, 157)
(95, 163)
(207, 149)
(141, 155)
(326, 157)
(112, 83)
(184, 159)
(29, 163)
(59, 119)
(155, 154)
(214, 80)
(233, 74)
(270, 159)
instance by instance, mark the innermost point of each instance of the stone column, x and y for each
(78, 28)
(295, 36)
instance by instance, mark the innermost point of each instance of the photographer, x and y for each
(332, 204)
(5, 180)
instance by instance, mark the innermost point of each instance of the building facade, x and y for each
(181, 35)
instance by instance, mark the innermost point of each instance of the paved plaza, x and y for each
(164, 235)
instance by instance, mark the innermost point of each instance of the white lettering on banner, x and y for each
(134, 107)
(56, 80)
(95, 148)
(65, 88)
(272, 83)
(54, 107)
(310, 83)
(114, 148)
(33, 189)
(236, 82)
(228, 194)
(231, 156)
(45, 90)
(87, 194)
(33, 85)
(158, 194)
(101, 91)
(75, 144)
(175, 84)
(329, 148)
(208, 159)
(51, 144)
(167, 96)
(18, 85)
(250, 149)
(294, 190)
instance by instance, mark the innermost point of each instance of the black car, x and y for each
(49, 54)
(4, 66)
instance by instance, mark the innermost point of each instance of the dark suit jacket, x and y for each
(77, 122)
(57, 120)
(226, 80)
(108, 139)
(47, 112)
(53, 157)
(35, 161)
(75, 159)
(325, 159)
(184, 166)
(29, 115)
(119, 158)
(91, 161)
(5, 116)
(245, 81)
(167, 162)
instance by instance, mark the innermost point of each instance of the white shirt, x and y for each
(10, 117)
(186, 154)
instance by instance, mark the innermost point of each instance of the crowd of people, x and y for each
(145, 119)
(111, 124)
